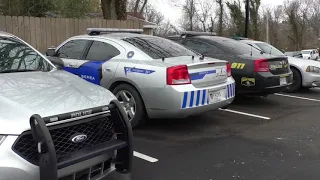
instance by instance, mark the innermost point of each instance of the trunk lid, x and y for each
(203, 73)
(278, 65)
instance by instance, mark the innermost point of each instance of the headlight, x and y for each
(2, 138)
(313, 69)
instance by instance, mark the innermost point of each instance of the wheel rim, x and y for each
(128, 102)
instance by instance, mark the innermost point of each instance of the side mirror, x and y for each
(56, 61)
(283, 51)
(51, 51)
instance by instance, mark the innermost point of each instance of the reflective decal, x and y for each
(245, 81)
(130, 54)
(201, 75)
(137, 70)
(238, 65)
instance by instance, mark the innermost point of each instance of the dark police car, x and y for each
(255, 72)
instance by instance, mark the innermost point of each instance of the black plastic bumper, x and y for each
(48, 162)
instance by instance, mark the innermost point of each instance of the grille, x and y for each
(98, 131)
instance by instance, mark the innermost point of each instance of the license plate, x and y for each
(216, 96)
(283, 81)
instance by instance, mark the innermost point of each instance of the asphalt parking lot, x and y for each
(277, 137)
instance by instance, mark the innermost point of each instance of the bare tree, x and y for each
(189, 14)
(143, 6)
(152, 15)
(205, 13)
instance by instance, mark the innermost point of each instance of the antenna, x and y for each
(251, 51)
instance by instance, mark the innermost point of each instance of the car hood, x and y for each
(44, 93)
(303, 62)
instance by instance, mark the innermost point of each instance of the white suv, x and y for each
(310, 54)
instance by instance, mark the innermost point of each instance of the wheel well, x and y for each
(298, 71)
(115, 84)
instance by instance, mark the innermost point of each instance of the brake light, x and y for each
(178, 75)
(228, 69)
(261, 65)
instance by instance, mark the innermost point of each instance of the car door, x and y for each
(71, 52)
(100, 61)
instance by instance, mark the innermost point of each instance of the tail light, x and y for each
(228, 69)
(261, 65)
(178, 75)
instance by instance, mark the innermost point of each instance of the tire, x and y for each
(140, 115)
(297, 81)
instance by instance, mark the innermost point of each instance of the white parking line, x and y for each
(144, 157)
(297, 97)
(246, 114)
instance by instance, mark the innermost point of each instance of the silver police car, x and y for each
(54, 125)
(153, 77)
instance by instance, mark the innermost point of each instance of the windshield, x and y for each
(15, 56)
(269, 49)
(305, 52)
(158, 48)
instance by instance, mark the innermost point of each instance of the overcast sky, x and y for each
(174, 13)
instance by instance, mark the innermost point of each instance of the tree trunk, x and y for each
(108, 9)
(143, 6)
(136, 6)
(220, 28)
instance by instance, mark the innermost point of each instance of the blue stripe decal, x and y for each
(185, 98)
(191, 99)
(201, 75)
(203, 96)
(137, 70)
(90, 71)
(198, 98)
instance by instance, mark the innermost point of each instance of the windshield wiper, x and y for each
(17, 70)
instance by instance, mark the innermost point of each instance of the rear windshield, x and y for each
(269, 49)
(235, 46)
(158, 48)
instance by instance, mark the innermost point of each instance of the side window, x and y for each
(197, 46)
(72, 49)
(100, 51)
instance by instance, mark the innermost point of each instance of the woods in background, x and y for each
(294, 25)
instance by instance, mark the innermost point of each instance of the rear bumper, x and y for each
(311, 80)
(185, 100)
(265, 83)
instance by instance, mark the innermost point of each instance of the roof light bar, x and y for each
(196, 33)
(97, 31)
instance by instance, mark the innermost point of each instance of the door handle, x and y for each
(107, 69)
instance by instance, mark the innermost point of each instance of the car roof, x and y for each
(2, 33)
(252, 41)
(308, 49)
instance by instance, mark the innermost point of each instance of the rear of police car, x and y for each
(187, 83)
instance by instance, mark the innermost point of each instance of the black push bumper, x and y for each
(48, 162)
